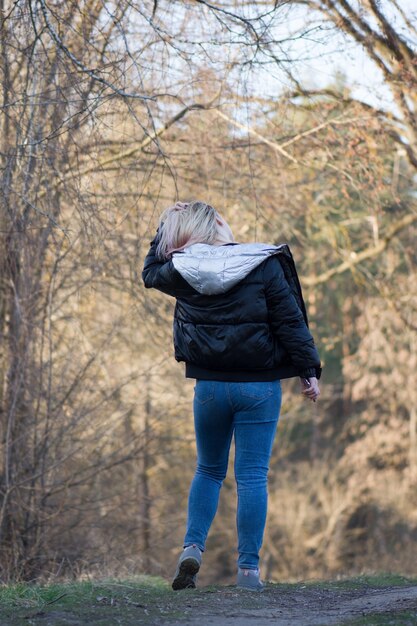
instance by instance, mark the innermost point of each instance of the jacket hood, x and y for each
(216, 269)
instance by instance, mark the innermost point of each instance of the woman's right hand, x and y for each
(310, 388)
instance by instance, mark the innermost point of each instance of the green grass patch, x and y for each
(363, 581)
(404, 618)
(30, 595)
(65, 603)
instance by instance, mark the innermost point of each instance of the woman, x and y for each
(240, 325)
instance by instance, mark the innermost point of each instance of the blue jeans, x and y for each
(250, 411)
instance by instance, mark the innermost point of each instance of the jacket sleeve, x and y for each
(161, 275)
(288, 323)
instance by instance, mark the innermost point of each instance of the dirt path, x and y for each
(300, 607)
(372, 601)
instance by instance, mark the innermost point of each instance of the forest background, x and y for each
(110, 111)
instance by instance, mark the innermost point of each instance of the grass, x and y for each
(28, 595)
(150, 600)
(363, 581)
(403, 618)
(132, 601)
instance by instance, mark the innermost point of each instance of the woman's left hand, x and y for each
(310, 388)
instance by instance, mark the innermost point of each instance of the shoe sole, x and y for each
(188, 568)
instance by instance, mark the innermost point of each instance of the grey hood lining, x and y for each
(214, 270)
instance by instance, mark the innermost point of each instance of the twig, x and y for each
(81, 65)
(358, 257)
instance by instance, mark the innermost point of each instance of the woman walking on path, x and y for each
(241, 326)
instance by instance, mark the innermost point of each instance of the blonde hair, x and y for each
(186, 223)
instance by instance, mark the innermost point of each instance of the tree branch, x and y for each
(70, 174)
(388, 115)
(358, 257)
(81, 65)
(272, 144)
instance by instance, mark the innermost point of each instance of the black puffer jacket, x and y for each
(240, 314)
